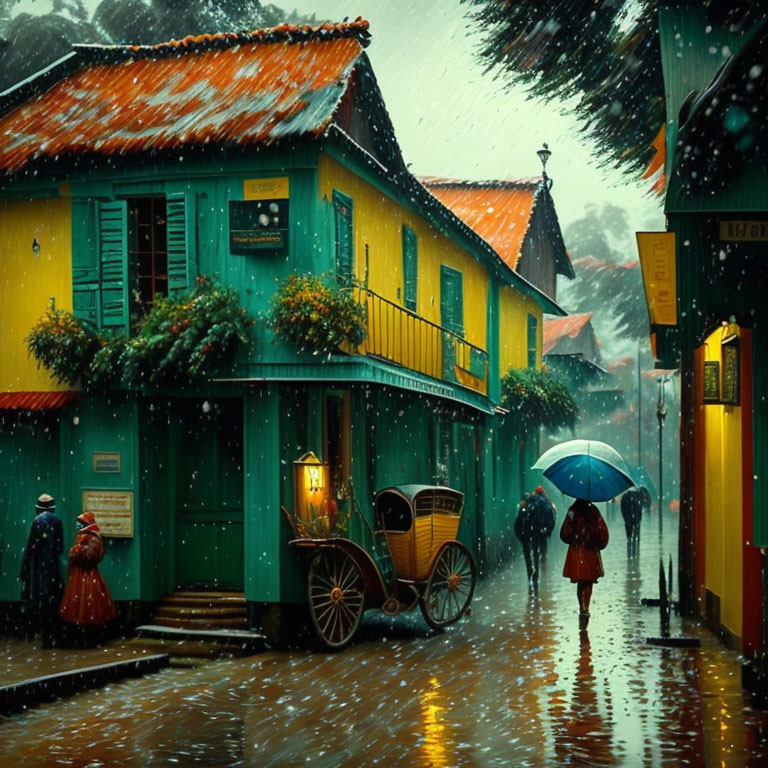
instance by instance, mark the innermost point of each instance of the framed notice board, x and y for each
(257, 225)
(731, 379)
(712, 381)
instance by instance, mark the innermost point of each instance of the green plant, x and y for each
(182, 339)
(64, 344)
(316, 315)
(538, 399)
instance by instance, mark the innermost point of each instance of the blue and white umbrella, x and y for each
(585, 469)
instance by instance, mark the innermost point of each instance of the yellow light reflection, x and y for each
(433, 747)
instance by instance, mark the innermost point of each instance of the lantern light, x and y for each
(311, 486)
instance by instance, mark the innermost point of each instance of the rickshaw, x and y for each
(421, 562)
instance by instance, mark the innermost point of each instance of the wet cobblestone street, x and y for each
(515, 684)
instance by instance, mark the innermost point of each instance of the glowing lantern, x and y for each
(312, 486)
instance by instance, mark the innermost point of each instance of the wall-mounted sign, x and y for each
(273, 188)
(106, 462)
(657, 260)
(257, 225)
(744, 231)
(113, 511)
(711, 381)
(731, 372)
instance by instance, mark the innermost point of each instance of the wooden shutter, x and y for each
(180, 271)
(410, 268)
(86, 279)
(451, 300)
(345, 254)
(533, 340)
(113, 256)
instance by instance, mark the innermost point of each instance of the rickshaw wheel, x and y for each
(336, 597)
(450, 587)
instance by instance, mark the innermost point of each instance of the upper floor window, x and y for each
(452, 300)
(147, 251)
(533, 340)
(410, 268)
(344, 236)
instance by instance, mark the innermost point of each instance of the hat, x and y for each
(539, 490)
(87, 518)
(45, 502)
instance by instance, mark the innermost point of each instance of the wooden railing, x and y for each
(403, 337)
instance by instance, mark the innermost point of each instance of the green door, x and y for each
(465, 479)
(209, 495)
(451, 316)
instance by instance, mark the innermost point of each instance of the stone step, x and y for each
(180, 611)
(196, 599)
(185, 642)
(202, 623)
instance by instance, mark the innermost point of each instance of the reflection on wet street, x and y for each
(514, 685)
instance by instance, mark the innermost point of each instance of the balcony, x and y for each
(400, 336)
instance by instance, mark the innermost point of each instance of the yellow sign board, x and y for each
(274, 188)
(657, 259)
(113, 511)
(744, 231)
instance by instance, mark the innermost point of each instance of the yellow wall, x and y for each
(378, 221)
(28, 282)
(723, 498)
(514, 308)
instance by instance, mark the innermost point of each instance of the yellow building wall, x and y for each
(28, 282)
(378, 222)
(723, 510)
(514, 308)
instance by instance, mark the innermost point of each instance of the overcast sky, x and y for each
(452, 119)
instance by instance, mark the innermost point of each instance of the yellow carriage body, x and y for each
(417, 521)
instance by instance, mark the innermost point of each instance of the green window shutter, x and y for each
(180, 266)
(113, 255)
(533, 327)
(410, 268)
(451, 300)
(345, 249)
(86, 282)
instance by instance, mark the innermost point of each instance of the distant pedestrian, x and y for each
(87, 603)
(533, 526)
(632, 503)
(586, 533)
(41, 584)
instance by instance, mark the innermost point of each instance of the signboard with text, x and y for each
(657, 260)
(741, 231)
(259, 222)
(113, 511)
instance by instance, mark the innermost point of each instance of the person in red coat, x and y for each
(87, 601)
(586, 533)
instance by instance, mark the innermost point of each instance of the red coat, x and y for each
(86, 599)
(586, 533)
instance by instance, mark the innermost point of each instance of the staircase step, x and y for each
(203, 599)
(180, 611)
(201, 623)
(184, 642)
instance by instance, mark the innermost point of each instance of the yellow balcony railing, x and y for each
(403, 337)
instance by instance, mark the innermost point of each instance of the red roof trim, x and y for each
(36, 401)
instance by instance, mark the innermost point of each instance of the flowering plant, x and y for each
(316, 315)
(538, 399)
(184, 338)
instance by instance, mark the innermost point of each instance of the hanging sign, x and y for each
(744, 231)
(657, 260)
(711, 381)
(113, 511)
(259, 222)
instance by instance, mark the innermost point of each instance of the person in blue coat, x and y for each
(533, 526)
(41, 583)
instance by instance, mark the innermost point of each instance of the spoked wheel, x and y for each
(336, 597)
(450, 587)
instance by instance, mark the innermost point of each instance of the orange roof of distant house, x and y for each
(559, 328)
(592, 262)
(225, 88)
(499, 211)
(622, 362)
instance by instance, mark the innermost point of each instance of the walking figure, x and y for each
(41, 584)
(533, 526)
(633, 501)
(586, 533)
(87, 602)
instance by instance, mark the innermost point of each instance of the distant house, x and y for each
(518, 218)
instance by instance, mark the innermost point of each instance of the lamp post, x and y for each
(661, 414)
(544, 154)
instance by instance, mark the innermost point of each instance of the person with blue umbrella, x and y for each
(589, 471)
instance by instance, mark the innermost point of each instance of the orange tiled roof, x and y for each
(35, 401)
(559, 328)
(224, 88)
(592, 262)
(499, 211)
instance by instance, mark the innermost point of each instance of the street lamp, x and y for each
(544, 154)
(661, 414)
